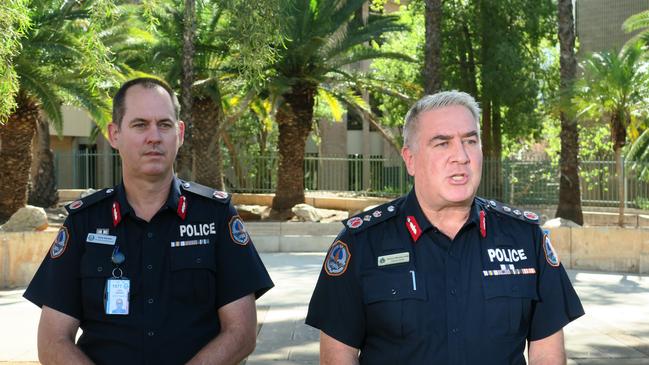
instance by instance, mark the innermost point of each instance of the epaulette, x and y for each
(206, 192)
(83, 203)
(364, 220)
(498, 207)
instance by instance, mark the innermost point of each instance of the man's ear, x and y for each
(181, 132)
(409, 159)
(113, 132)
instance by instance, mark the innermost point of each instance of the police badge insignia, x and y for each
(76, 204)
(337, 259)
(238, 231)
(550, 254)
(60, 243)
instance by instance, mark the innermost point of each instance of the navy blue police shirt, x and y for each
(398, 289)
(192, 258)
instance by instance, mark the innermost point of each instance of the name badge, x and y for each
(116, 296)
(397, 258)
(102, 239)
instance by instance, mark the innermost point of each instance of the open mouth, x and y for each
(459, 178)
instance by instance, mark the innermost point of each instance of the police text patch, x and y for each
(337, 259)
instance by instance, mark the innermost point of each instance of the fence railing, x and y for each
(516, 182)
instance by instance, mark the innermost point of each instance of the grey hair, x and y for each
(437, 101)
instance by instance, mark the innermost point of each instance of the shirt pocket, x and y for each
(96, 268)
(193, 275)
(508, 304)
(386, 296)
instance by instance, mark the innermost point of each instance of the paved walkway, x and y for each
(615, 330)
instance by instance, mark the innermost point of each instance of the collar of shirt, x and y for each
(411, 207)
(171, 203)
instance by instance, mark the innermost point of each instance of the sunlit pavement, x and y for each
(615, 329)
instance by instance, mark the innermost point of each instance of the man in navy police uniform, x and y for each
(177, 251)
(441, 276)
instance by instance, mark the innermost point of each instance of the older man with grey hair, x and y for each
(441, 276)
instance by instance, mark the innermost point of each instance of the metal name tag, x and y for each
(397, 258)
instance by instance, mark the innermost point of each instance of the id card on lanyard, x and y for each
(116, 292)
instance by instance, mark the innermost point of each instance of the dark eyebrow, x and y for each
(445, 137)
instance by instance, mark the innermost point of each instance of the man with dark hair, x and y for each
(155, 270)
(441, 276)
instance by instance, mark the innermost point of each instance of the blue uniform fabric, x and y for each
(452, 302)
(176, 289)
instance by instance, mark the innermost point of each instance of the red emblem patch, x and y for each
(182, 207)
(413, 228)
(76, 204)
(483, 224)
(354, 222)
(531, 216)
(220, 194)
(117, 214)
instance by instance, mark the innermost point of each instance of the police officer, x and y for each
(441, 276)
(175, 255)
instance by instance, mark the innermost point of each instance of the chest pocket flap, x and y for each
(193, 257)
(382, 286)
(512, 286)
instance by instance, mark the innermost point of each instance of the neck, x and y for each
(448, 219)
(146, 197)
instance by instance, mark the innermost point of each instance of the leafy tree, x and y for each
(569, 191)
(13, 25)
(324, 38)
(222, 63)
(614, 90)
(432, 73)
(61, 60)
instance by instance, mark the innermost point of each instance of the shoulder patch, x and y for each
(551, 255)
(60, 243)
(372, 217)
(337, 259)
(206, 192)
(83, 203)
(238, 231)
(504, 209)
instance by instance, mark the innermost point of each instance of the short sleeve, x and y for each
(239, 268)
(57, 282)
(558, 302)
(336, 306)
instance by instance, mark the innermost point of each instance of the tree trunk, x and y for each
(234, 160)
(618, 134)
(294, 119)
(619, 171)
(16, 155)
(43, 191)
(432, 73)
(207, 116)
(185, 162)
(569, 189)
(496, 151)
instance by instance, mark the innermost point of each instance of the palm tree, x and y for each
(211, 72)
(324, 41)
(569, 191)
(61, 60)
(614, 88)
(14, 24)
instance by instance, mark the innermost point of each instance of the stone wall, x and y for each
(586, 248)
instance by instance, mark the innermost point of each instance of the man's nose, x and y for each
(154, 135)
(460, 154)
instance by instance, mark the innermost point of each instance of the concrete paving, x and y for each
(614, 331)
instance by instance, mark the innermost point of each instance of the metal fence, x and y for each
(516, 182)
